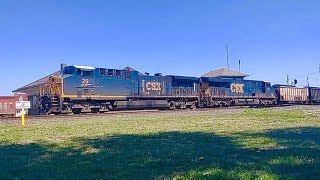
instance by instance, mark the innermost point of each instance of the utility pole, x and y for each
(227, 54)
(239, 65)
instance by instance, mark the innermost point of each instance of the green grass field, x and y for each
(268, 144)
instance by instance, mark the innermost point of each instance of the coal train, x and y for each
(83, 89)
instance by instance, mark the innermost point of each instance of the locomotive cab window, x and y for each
(87, 73)
(68, 71)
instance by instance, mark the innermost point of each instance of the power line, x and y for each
(311, 74)
(299, 77)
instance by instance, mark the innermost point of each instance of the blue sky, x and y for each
(185, 37)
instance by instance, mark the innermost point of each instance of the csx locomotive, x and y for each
(79, 89)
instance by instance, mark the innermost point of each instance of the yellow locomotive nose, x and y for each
(50, 95)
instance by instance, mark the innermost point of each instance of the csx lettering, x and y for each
(153, 86)
(237, 88)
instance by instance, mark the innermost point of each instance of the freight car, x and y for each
(314, 94)
(8, 105)
(86, 89)
(291, 95)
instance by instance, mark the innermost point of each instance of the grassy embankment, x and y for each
(251, 144)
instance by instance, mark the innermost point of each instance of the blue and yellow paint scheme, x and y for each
(233, 91)
(89, 89)
(84, 86)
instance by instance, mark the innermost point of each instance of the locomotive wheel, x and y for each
(193, 106)
(104, 108)
(66, 109)
(183, 105)
(172, 105)
(228, 103)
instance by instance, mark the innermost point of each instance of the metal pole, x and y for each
(239, 65)
(22, 116)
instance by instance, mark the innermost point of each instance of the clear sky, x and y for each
(272, 38)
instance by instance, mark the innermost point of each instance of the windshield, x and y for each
(68, 71)
(87, 73)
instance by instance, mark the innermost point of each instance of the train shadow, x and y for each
(167, 154)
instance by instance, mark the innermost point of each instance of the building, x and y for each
(225, 73)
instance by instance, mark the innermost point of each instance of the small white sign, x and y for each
(23, 104)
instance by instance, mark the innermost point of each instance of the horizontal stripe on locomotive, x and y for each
(92, 96)
(144, 96)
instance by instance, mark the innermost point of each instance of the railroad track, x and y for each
(82, 114)
(133, 112)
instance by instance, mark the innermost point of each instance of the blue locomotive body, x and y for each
(233, 91)
(97, 83)
(88, 89)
